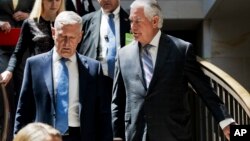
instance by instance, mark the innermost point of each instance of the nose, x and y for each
(66, 41)
(53, 3)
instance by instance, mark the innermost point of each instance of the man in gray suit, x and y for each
(151, 83)
(95, 40)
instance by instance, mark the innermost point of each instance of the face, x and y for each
(66, 39)
(51, 7)
(109, 5)
(142, 28)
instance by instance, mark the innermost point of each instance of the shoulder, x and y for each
(39, 57)
(176, 40)
(175, 43)
(128, 48)
(123, 13)
(88, 60)
(28, 23)
(91, 16)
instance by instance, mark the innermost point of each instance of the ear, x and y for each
(53, 32)
(80, 37)
(155, 21)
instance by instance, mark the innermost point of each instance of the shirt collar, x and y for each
(115, 12)
(155, 41)
(56, 57)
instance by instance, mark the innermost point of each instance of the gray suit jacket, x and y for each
(91, 27)
(163, 107)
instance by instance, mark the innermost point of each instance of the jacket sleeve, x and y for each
(118, 104)
(104, 113)
(201, 84)
(26, 106)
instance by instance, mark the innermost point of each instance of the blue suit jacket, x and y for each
(37, 98)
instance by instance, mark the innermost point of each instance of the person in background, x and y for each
(104, 33)
(12, 15)
(150, 95)
(35, 38)
(64, 89)
(37, 131)
(81, 7)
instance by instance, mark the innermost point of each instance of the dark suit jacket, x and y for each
(37, 99)
(91, 27)
(70, 7)
(7, 10)
(164, 105)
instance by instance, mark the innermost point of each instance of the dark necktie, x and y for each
(79, 7)
(147, 64)
(111, 49)
(62, 97)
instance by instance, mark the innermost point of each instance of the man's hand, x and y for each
(20, 16)
(5, 26)
(226, 131)
(5, 77)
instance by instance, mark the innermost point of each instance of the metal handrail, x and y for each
(6, 113)
(235, 97)
(231, 85)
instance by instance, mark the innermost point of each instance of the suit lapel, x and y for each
(162, 54)
(83, 77)
(96, 22)
(135, 51)
(47, 75)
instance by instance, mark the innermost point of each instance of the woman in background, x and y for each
(35, 38)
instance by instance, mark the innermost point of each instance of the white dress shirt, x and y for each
(74, 104)
(103, 34)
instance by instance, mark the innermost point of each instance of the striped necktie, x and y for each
(62, 97)
(147, 63)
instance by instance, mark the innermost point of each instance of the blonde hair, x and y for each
(37, 9)
(37, 132)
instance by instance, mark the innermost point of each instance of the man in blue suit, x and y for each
(150, 95)
(88, 115)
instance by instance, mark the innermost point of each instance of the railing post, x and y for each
(6, 111)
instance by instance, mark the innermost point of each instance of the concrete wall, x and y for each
(230, 47)
(173, 9)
